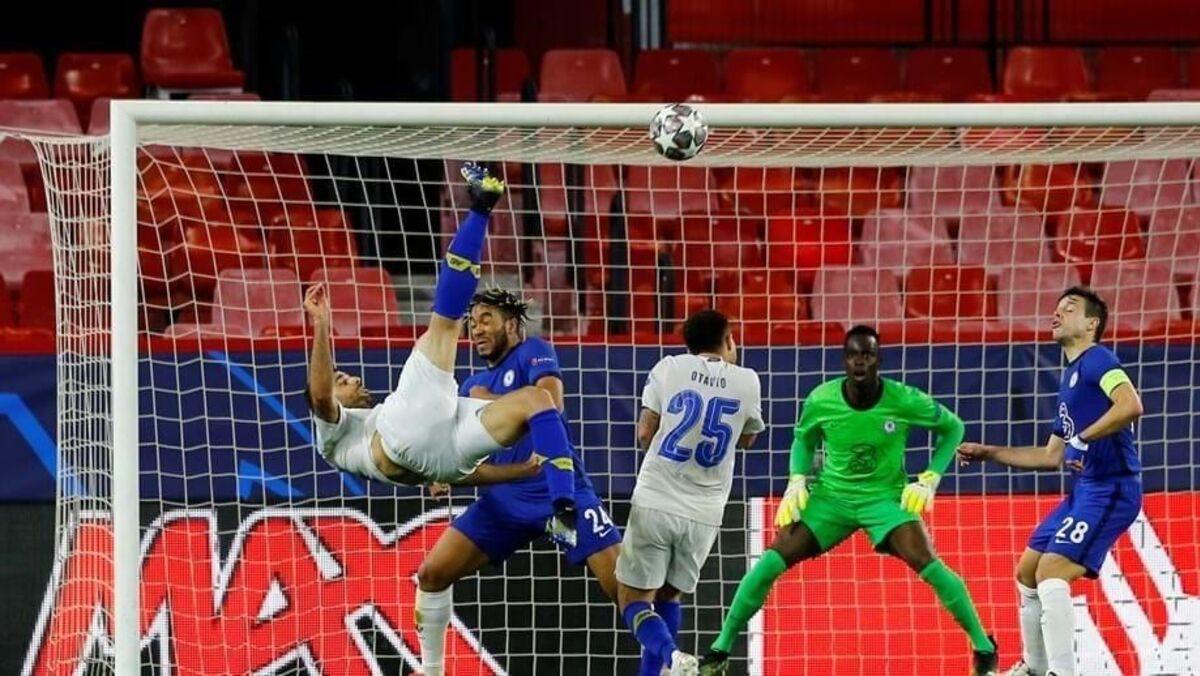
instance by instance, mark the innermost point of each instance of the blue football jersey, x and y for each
(527, 363)
(1082, 400)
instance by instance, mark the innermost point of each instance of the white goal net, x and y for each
(952, 229)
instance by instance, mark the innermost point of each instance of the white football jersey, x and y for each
(705, 404)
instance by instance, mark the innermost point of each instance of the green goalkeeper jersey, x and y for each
(864, 449)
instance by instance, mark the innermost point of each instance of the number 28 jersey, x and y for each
(705, 404)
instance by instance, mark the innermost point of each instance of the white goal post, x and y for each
(742, 136)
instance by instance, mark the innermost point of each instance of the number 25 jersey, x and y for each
(705, 404)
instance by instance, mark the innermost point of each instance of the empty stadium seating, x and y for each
(1146, 186)
(676, 74)
(305, 239)
(947, 292)
(895, 240)
(359, 298)
(766, 74)
(22, 76)
(777, 190)
(262, 185)
(1174, 237)
(82, 78)
(6, 305)
(52, 116)
(36, 306)
(855, 74)
(949, 73)
(1001, 238)
(185, 49)
(1045, 73)
(510, 67)
(248, 301)
(1027, 295)
(1141, 294)
(580, 75)
(657, 197)
(1086, 236)
(806, 241)
(1137, 71)
(207, 249)
(856, 191)
(951, 191)
(24, 244)
(177, 188)
(849, 296)
(13, 194)
(1050, 188)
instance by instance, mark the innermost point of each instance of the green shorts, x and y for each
(832, 519)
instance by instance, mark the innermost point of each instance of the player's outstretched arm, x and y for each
(487, 473)
(320, 362)
(1048, 457)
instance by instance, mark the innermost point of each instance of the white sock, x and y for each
(1058, 626)
(1033, 647)
(432, 616)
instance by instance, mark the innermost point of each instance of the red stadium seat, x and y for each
(1087, 236)
(952, 73)
(951, 191)
(24, 244)
(1027, 295)
(1174, 95)
(1140, 294)
(306, 239)
(1174, 238)
(187, 49)
(266, 184)
(580, 74)
(676, 74)
(755, 190)
(36, 307)
(82, 78)
(895, 240)
(510, 65)
(206, 250)
(247, 302)
(808, 241)
(22, 76)
(850, 296)
(856, 191)
(716, 248)
(360, 298)
(13, 194)
(1146, 186)
(1049, 188)
(1137, 71)
(1193, 69)
(947, 292)
(1045, 73)
(657, 196)
(53, 116)
(1001, 238)
(766, 75)
(174, 191)
(98, 117)
(856, 74)
(6, 305)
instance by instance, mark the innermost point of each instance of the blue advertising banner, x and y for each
(217, 426)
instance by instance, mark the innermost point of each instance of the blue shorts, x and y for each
(498, 529)
(1085, 525)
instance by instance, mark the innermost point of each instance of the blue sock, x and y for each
(650, 630)
(550, 440)
(671, 613)
(458, 275)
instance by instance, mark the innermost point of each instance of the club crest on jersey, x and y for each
(889, 426)
(509, 377)
(1074, 379)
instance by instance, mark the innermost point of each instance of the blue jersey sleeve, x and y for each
(539, 360)
(465, 388)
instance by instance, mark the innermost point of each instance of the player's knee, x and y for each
(431, 578)
(539, 399)
(1053, 566)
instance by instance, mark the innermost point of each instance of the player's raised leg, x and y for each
(794, 543)
(910, 543)
(459, 273)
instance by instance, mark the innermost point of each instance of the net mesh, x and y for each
(260, 557)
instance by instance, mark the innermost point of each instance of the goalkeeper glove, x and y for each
(1076, 453)
(795, 499)
(485, 189)
(918, 495)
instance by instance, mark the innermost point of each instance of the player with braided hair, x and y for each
(507, 517)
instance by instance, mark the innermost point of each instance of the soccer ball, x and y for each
(678, 132)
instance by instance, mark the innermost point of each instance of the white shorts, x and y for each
(659, 548)
(427, 428)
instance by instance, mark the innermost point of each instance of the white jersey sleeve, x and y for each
(705, 404)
